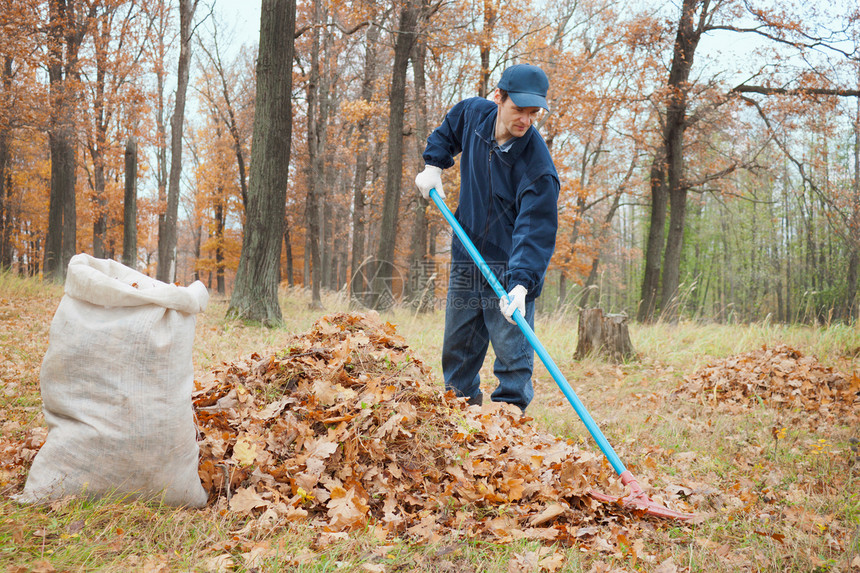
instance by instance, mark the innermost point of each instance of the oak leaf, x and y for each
(320, 449)
(246, 499)
(345, 509)
(552, 562)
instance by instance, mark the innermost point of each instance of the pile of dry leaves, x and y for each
(343, 428)
(781, 377)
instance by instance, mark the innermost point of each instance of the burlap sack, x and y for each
(116, 387)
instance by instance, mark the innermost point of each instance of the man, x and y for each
(509, 208)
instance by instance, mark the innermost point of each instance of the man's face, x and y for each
(513, 120)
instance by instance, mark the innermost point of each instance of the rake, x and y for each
(637, 498)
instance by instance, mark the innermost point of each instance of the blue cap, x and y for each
(526, 85)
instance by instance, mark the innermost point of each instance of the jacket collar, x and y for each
(486, 131)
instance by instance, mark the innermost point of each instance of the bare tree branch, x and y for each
(764, 32)
(765, 90)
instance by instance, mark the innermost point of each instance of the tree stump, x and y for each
(606, 335)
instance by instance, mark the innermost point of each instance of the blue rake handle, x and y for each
(547, 360)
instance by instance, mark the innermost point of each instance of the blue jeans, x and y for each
(472, 321)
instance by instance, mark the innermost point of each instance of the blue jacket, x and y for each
(508, 200)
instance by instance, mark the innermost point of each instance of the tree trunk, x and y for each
(99, 206)
(306, 260)
(686, 41)
(654, 245)
(669, 302)
(357, 285)
(62, 187)
(97, 142)
(162, 32)
(197, 232)
(343, 267)
(491, 16)
(7, 218)
(219, 241)
(418, 291)
(605, 335)
(327, 254)
(562, 289)
(323, 169)
(70, 214)
(312, 213)
(67, 32)
(382, 295)
(6, 213)
(288, 245)
(167, 232)
(129, 237)
(851, 287)
(255, 294)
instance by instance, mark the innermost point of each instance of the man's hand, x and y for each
(516, 300)
(428, 179)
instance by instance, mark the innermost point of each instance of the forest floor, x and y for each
(752, 428)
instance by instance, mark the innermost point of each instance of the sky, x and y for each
(243, 16)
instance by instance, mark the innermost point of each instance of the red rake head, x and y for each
(638, 500)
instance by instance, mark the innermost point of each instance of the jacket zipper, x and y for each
(490, 203)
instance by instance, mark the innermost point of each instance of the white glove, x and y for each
(517, 298)
(428, 179)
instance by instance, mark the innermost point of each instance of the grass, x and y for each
(787, 504)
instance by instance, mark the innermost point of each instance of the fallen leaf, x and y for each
(346, 509)
(320, 449)
(253, 559)
(219, 563)
(542, 533)
(552, 562)
(667, 566)
(326, 538)
(155, 564)
(599, 567)
(43, 566)
(523, 562)
(244, 452)
(551, 512)
(587, 531)
(246, 499)
(777, 536)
